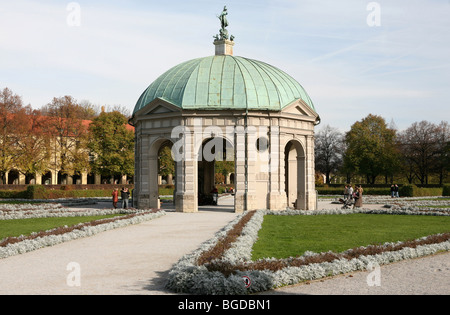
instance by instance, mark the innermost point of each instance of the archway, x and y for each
(148, 185)
(14, 177)
(216, 158)
(295, 175)
(46, 178)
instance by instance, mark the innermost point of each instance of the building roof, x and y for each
(225, 82)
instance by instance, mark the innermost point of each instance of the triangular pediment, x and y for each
(300, 108)
(158, 106)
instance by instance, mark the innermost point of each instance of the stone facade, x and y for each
(273, 153)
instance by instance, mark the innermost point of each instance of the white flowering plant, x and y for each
(18, 245)
(224, 274)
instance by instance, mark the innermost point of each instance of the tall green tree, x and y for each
(166, 162)
(371, 149)
(111, 145)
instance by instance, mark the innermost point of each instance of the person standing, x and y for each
(350, 192)
(115, 196)
(358, 197)
(125, 195)
(396, 191)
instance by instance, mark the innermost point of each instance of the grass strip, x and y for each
(10, 230)
(291, 236)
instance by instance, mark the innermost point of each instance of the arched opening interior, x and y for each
(215, 164)
(13, 177)
(295, 175)
(46, 178)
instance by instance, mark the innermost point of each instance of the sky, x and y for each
(354, 57)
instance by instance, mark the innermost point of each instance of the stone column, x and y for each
(277, 195)
(38, 178)
(186, 197)
(143, 197)
(21, 179)
(54, 177)
(240, 168)
(152, 182)
(311, 196)
(84, 177)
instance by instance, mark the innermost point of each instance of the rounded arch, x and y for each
(295, 174)
(213, 151)
(298, 143)
(149, 173)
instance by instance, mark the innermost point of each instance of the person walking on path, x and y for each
(358, 197)
(125, 195)
(115, 196)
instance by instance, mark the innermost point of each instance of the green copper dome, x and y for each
(225, 82)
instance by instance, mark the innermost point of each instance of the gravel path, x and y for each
(136, 260)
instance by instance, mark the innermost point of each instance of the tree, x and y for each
(111, 145)
(166, 162)
(70, 135)
(420, 149)
(328, 151)
(442, 165)
(32, 141)
(371, 148)
(10, 105)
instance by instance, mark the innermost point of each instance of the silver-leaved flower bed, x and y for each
(190, 277)
(22, 244)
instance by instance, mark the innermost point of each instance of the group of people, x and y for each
(394, 191)
(125, 196)
(355, 195)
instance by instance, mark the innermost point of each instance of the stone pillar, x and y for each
(186, 196)
(38, 179)
(54, 177)
(310, 185)
(21, 179)
(277, 195)
(84, 177)
(240, 167)
(152, 182)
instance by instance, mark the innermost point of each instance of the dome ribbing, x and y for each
(225, 82)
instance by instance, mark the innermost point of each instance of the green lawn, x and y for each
(14, 228)
(286, 236)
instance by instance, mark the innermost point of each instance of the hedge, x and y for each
(414, 191)
(340, 191)
(446, 190)
(404, 191)
(44, 192)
